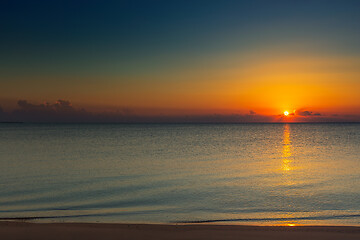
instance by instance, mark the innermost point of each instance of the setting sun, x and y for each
(286, 113)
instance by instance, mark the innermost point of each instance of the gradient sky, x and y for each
(184, 57)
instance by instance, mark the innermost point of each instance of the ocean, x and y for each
(261, 174)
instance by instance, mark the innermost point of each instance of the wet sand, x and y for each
(57, 231)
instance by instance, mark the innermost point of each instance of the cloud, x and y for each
(306, 113)
(63, 105)
(59, 106)
(63, 111)
(60, 111)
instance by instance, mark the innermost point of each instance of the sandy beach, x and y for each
(57, 231)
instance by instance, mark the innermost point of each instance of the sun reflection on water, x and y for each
(286, 168)
(286, 151)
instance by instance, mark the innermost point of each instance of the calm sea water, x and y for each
(224, 173)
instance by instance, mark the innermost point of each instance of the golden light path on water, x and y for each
(286, 151)
(286, 166)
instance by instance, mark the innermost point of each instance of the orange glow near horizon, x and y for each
(263, 83)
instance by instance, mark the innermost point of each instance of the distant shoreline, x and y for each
(60, 231)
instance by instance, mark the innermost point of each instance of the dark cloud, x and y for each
(60, 111)
(306, 113)
(63, 105)
(58, 106)
(63, 111)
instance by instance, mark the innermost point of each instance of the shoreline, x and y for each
(59, 231)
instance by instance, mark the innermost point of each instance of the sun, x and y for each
(286, 113)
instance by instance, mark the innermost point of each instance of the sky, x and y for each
(182, 61)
